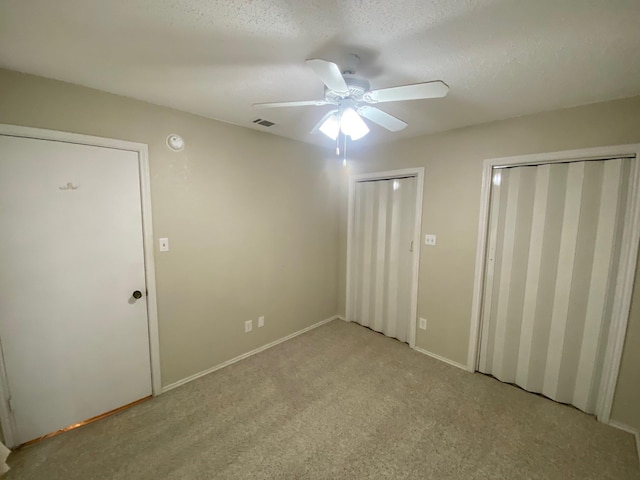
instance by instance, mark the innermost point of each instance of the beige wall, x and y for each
(251, 219)
(453, 165)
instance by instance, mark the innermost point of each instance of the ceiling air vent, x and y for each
(264, 123)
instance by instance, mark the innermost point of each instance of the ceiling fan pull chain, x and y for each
(344, 151)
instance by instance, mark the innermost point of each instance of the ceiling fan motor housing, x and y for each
(357, 88)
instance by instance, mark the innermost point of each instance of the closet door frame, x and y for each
(418, 173)
(628, 258)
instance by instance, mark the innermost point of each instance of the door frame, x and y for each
(418, 173)
(628, 255)
(6, 418)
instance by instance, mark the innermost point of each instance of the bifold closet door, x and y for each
(381, 279)
(552, 260)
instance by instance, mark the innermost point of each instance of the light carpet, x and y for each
(339, 402)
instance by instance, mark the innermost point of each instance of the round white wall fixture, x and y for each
(175, 142)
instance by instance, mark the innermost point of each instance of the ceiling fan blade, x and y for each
(416, 91)
(383, 119)
(330, 75)
(290, 104)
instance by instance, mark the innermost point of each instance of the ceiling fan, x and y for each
(354, 99)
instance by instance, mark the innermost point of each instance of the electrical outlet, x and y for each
(429, 239)
(423, 323)
(248, 326)
(260, 322)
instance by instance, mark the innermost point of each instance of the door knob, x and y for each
(137, 294)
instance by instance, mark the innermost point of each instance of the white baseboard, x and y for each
(628, 429)
(442, 359)
(340, 317)
(190, 378)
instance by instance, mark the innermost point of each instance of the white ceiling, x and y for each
(501, 58)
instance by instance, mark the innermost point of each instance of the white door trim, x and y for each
(418, 173)
(141, 149)
(626, 275)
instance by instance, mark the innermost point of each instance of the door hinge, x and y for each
(10, 402)
(411, 247)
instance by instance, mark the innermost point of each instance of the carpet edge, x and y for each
(442, 359)
(628, 429)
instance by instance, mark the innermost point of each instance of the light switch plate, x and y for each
(163, 244)
(429, 239)
(248, 326)
(423, 323)
(260, 322)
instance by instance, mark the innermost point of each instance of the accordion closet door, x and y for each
(553, 256)
(381, 279)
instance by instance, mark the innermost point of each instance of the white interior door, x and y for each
(382, 255)
(553, 257)
(75, 342)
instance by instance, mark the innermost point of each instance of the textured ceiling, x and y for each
(215, 58)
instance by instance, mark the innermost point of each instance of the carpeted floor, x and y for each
(339, 402)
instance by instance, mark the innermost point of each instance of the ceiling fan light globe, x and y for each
(359, 135)
(352, 124)
(331, 126)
